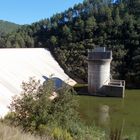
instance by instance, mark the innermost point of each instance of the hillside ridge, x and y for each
(68, 35)
(7, 26)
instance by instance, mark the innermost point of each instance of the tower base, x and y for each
(116, 88)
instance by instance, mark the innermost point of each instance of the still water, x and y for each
(113, 112)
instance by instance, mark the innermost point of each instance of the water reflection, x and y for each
(104, 117)
(122, 113)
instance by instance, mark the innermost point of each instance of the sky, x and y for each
(29, 11)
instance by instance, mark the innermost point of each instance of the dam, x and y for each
(18, 65)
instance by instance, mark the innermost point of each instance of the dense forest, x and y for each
(68, 35)
(7, 27)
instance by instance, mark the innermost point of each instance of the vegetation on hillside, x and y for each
(7, 27)
(68, 35)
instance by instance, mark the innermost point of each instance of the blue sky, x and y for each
(29, 11)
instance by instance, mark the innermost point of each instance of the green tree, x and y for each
(134, 7)
(90, 25)
(53, 40)
(67, 33)
(136, 67)
(117, 18)
(33, 108)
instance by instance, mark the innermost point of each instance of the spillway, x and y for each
(17, 65)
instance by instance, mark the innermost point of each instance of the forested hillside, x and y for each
(68, 35)
(7, 27)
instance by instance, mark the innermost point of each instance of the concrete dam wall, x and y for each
(17, 65)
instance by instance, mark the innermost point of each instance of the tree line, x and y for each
(68, 35)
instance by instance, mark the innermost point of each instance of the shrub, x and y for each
(61, 134)
(33, 110)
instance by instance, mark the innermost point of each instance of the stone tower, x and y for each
(98, 69)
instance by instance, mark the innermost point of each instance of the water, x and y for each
(120, 113)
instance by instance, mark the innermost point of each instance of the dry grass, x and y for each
(11, 133)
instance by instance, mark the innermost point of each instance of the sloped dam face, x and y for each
(17, 65)
(113, 113)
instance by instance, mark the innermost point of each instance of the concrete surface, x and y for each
(17, 65)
